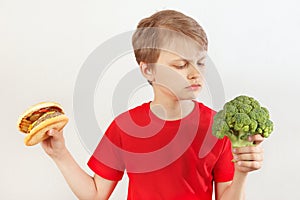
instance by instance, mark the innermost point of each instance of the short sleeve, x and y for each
(224, 167)
(107, 160)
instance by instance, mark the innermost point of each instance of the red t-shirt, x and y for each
(169, 160)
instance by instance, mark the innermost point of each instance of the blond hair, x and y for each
(159, 28)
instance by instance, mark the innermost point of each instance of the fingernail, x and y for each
(250, 138)
(234, 150)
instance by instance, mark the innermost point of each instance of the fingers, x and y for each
(55, 136)
(248, 166)
(54, 145)
(248, 158)
(253, 153)
(251, 149)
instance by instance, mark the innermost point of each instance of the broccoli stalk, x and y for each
(239, 139)
(241, 118)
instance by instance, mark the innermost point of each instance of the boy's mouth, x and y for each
(194, 87)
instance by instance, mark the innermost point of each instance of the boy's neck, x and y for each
(169, 109)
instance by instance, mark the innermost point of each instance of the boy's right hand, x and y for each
(54, 145)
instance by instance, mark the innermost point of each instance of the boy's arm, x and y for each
(247, 159)
(83, 185)
(232, 189)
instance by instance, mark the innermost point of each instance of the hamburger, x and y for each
(40, 118)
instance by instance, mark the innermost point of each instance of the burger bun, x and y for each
(39, 133)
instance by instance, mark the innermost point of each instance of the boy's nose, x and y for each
(193, 72)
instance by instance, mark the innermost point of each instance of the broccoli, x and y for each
(240, 118)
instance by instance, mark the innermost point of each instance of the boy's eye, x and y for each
(182, 66)
(185, 65)
(200, 64)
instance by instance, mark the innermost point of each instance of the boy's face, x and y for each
(179, 77)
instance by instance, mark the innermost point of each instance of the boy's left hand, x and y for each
(248, 159)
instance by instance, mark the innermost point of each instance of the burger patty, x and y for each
(37, 114)
(45, 116)
(35, 118)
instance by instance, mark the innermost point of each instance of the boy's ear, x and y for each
(147, 71)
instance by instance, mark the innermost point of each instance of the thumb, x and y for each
(256, 139)
(55, 135)
(52, 132)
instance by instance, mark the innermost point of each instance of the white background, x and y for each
(254, 44)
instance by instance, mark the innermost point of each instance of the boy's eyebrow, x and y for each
(186, 60)
(180, 59)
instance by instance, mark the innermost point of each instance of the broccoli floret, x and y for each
(240, 118)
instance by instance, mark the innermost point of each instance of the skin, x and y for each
(176, 81)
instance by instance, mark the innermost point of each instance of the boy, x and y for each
(158, 143)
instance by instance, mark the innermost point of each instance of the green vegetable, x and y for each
(241, 118)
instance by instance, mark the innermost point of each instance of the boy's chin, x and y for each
(189, 98)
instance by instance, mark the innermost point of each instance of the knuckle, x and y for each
(256, 149)
(253, 157)
(257, 165)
